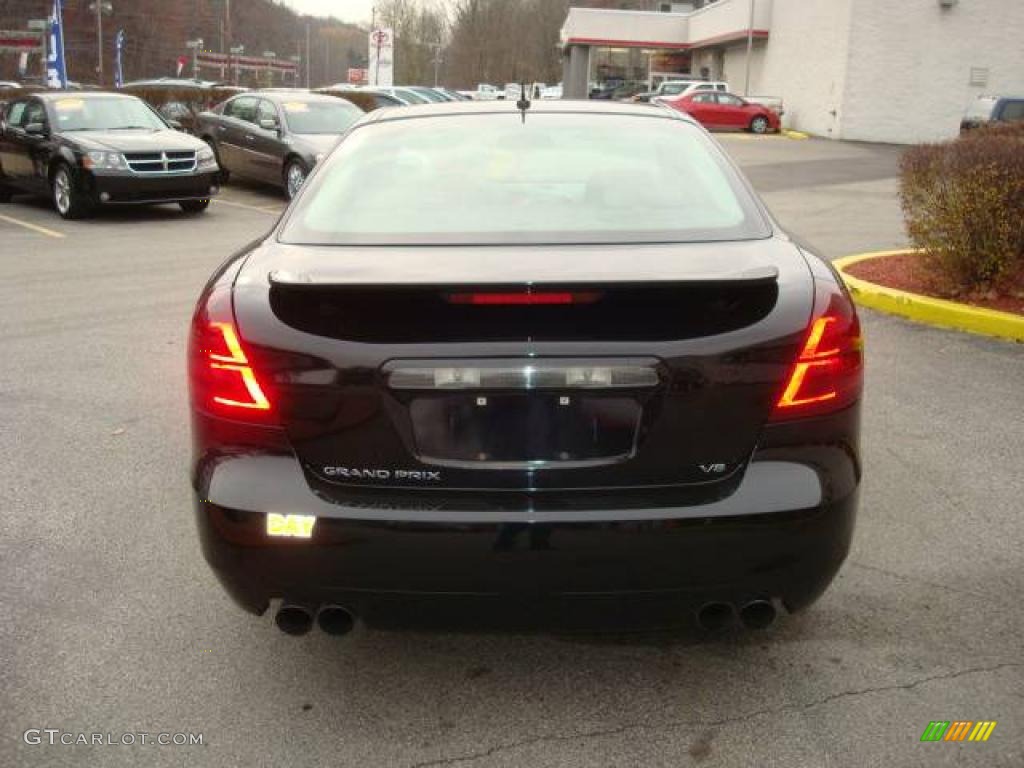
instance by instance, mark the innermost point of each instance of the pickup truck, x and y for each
(672, 88)
(992, 109)
(666, 88)
(486, 92)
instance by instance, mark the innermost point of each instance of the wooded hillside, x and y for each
(465, 41)
(156, 32)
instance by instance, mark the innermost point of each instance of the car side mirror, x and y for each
(268, 125)
(35, 129)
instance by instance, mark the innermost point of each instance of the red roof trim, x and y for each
(624, 43)
(729, 37)
(607, 43)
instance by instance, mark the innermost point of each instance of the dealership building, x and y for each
(898, 71)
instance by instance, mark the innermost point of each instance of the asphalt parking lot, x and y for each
(114, 623)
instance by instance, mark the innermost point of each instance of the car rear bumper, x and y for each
(749, 545)
(142, 190)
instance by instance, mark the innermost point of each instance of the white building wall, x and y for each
(908, 76)
(735, 70)
(726, 18)
(803, 62)
(615, 25)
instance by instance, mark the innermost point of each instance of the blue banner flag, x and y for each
(119, 59)
(56, 66)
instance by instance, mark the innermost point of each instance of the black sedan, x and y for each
(276, 137)
(92, 148)
(509, 359)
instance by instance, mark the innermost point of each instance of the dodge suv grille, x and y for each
(161, 162)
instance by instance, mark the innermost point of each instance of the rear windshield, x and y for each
(320, 116)
(493, 179)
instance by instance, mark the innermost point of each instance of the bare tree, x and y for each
(420, 33)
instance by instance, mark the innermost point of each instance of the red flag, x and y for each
(182, 61)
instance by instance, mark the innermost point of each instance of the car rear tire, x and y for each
(5, 195)
(759, 124)
(67, 199)
(295, 173)
(194, 206)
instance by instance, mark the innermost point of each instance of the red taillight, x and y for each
(828, 373)
(237, 386)
(524, 298)
(222, 376)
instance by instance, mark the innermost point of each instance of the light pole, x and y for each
(100, 7)
(309, 54)
(236, 51)
(195, 46)
(750, 49)
(270, 71)
(226, 43)
(437, 62)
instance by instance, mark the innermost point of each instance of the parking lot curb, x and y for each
(926, 310)
(796, 135)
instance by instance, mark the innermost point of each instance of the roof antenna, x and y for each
(524, 101)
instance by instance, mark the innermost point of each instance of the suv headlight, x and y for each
(103, 160)
(206, 157)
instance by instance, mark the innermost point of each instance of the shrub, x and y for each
(964, 203)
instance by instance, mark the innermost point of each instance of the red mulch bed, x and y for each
(914, 272)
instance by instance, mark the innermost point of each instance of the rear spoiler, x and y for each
(752, 276)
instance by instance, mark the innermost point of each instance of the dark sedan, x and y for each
(500, 358)
(92, 148)
(275, 137)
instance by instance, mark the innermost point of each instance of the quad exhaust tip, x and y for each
(335, 620)
(757, 614)
(294, 618)
(715, 616)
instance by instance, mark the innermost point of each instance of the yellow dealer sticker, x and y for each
(67, 105)
(290, 526)
(296, 106)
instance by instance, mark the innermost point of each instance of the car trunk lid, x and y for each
(525, 368)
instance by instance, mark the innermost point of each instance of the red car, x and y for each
(725, 111)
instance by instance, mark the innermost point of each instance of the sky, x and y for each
(346, 10)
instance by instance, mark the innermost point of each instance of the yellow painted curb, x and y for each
(924, 309)
(796, 135)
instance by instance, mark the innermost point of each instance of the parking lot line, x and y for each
(246, 206)
(33, 227)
